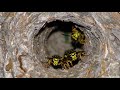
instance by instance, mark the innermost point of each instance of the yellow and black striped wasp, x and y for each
(77, 36)
(71, 57)
(55, 61)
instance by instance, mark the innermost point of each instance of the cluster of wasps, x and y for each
(71, 56)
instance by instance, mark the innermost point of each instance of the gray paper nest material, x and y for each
(18, 58)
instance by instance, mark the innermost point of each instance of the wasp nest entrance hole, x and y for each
(54, 38)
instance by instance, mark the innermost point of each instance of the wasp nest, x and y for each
(28, 38)
(54, 38)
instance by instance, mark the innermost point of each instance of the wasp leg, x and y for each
(61, 65)
(70, 63)
(79, 55)
(49, 62)
(66, 66)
